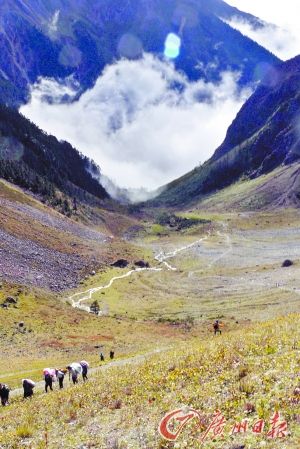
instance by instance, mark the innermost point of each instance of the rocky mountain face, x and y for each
(64, 38)
(39, 162)
(264, 135)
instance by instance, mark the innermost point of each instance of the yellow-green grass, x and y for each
(217, 277)
(255, 368)
(14, 193)
(57, 334)
(274, 190)
(141, 308)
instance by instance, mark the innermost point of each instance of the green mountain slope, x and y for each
(264, 135)
(39, 162)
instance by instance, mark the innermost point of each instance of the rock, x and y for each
(10, 300)
(93, 273)
(287, 263)
(142, 264)
(120, 263)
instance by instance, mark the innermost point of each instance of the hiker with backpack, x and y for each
(217, 327)
(60, 375)
(4, 394)
(85, 366)
(75, 369)
(49, 376)
(28, 386)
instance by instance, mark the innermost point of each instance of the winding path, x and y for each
(79, 298)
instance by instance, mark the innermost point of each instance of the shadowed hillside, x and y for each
(264, 135)
(39, 162)
(59, 38)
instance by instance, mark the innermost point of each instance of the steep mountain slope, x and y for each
(55, 38)
(264, 135)
(278, 189)
(40, 247)
(39, 162)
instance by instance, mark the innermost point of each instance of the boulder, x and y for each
(10, 300)
(120, 263)
(142, 264)
(287, 263)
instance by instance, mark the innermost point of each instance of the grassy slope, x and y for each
(55, 332)
(121, 407)
(278, 188)
(156, 310)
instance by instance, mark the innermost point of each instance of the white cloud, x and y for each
(53, 25)
(144, 123)
(284, 39)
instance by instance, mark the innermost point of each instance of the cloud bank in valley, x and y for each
(143, 122)
(283, 39)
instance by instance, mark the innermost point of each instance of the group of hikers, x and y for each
(111, 355)
(74, 369)
(50, 375)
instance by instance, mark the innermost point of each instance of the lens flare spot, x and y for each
(172, 46)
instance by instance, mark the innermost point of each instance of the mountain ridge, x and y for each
(60, 39)
(255, 144)
(36, 161)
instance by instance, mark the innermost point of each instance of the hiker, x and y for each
(85, 366)
(74, 370)
(4, 394)
(217, 327)
(28, 386)
(49, 376)
(101, 357)
(112, 354)
(60, 374)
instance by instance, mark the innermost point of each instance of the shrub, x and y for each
(24, 431)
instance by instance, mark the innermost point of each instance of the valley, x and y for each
(226, 266)
(187, 301)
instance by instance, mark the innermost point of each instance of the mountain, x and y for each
(76, 40)
(264, 135)
(39, 162)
